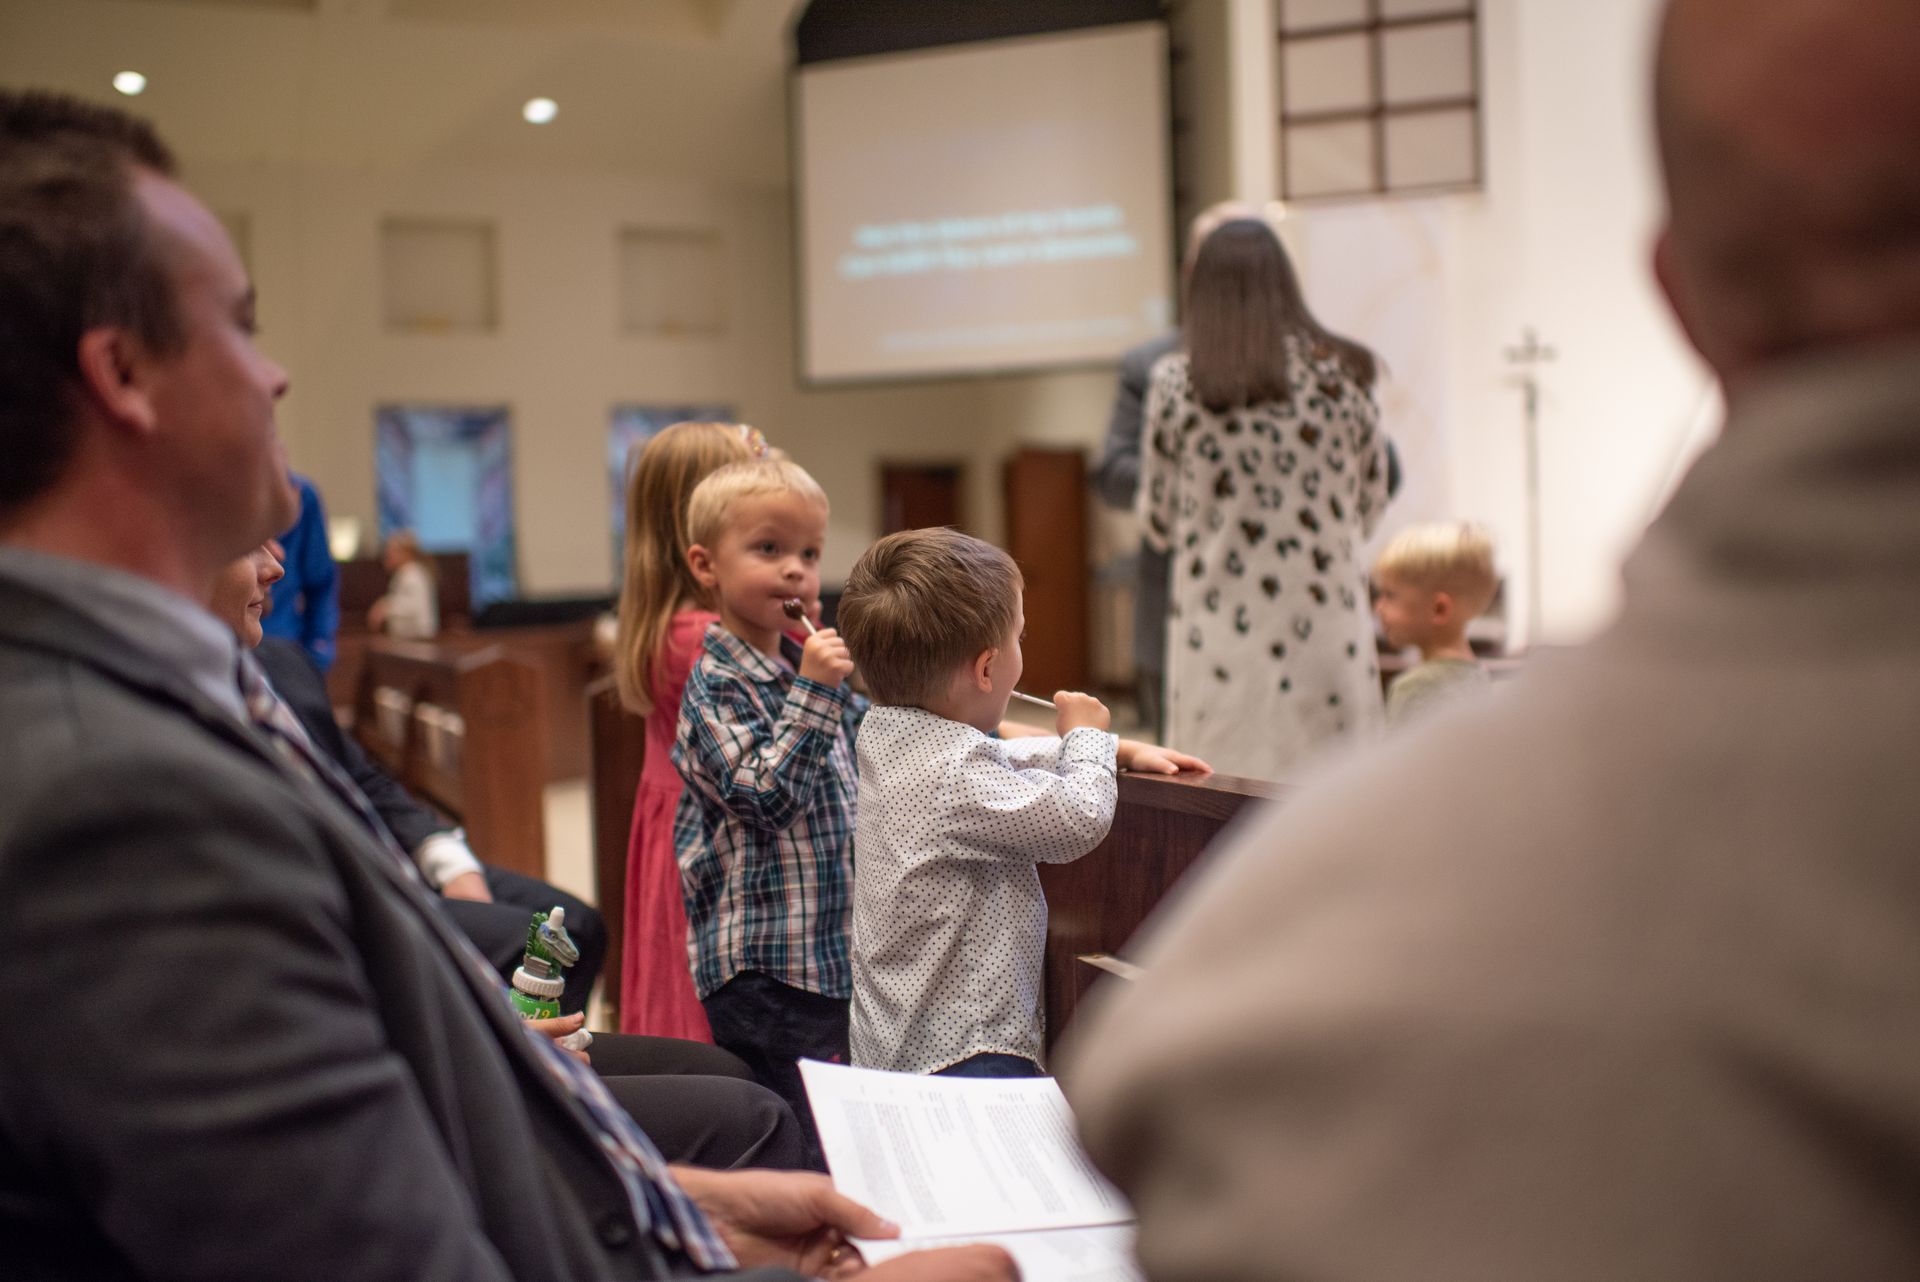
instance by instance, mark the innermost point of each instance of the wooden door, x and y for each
(1047, 536)
(915, 496)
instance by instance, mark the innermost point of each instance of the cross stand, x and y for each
(1528, 357)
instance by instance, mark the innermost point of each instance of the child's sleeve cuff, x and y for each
(1085, 745)
(816, 706)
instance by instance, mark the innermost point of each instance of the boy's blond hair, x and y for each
(1455, 557)
(711, 507)
(922, 602)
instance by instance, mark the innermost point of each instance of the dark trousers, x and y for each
(772, 1026)
(499, 929)
(993, 1064)
(698, 1103)
(717, 1122)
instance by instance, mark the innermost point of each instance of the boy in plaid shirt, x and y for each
(764, 831)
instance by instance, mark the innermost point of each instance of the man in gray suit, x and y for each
(244, 1043)
(1616, 976)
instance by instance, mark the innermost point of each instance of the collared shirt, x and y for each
(764, 829)
(176, 630)
(949, 923)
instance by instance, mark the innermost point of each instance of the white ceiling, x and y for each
(684, 87)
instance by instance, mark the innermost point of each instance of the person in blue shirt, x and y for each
(306, 603)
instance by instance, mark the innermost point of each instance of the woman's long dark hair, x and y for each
(1243, 303)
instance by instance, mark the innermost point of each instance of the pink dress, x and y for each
(656, 987)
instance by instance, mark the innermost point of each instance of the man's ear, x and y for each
(113, 364)
(700, 561)
(981, 673)
(1444, 607)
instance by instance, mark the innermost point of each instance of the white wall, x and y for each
(1560, 239)
(559, 361)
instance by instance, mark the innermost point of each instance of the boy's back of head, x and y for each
(1455, 557)
(919, 604)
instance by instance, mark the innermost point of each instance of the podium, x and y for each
(1095, 904)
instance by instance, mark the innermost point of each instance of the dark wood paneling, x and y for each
(1095, 904)
(618, 741)
(498, 789)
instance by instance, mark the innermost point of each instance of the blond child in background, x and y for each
(765, 743)
(948, 918)
(664, 613)
(1430, 582)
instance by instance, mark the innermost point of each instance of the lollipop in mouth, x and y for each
(796, 610)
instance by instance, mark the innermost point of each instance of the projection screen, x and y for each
(994, 206)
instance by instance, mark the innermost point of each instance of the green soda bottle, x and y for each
(540, 977)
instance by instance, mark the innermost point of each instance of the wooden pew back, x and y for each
(465, 729)
(1096, 903)
(619, 749)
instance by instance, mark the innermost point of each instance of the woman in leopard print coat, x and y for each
(1265, 473)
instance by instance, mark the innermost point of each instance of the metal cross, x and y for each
(1528, 357)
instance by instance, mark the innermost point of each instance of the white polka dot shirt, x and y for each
(948, 920)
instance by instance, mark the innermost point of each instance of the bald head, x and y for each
(1790, 135)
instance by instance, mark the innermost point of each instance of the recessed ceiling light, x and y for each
(129, 82)
(539, 111)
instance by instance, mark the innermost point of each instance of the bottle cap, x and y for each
(536, 978)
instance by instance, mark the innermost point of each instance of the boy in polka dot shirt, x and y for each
(948, 918)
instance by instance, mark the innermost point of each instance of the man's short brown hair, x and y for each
(922, 602)
(77, 252)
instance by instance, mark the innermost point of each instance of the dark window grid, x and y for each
(1379, 111)
(1379, 117)
(1374, 22)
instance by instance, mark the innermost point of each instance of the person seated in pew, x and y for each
(949, 922)
(698, 1103)
(258, 1049)
(1429, 583)
(492, 905)
(411, 608)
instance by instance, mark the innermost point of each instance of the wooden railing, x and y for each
(619, 749)
(1096, 903)
(466, 730)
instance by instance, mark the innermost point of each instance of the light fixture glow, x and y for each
(539, 111)
(130, 82)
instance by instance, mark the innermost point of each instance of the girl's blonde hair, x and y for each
(656, 583)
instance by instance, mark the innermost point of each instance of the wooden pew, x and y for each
(1097, 902)
(364, 580)
(619, 749)
(485, 765)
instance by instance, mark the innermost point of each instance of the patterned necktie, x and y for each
(658, 1204)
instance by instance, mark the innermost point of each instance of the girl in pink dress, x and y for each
(663, 616)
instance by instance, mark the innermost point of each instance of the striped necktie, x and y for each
(658, 1204)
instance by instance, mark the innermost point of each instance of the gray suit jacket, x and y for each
(240, 1044)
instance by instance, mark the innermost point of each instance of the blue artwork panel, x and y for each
(446, 473)
(630, 427)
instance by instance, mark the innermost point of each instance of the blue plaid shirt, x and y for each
(764, 832)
